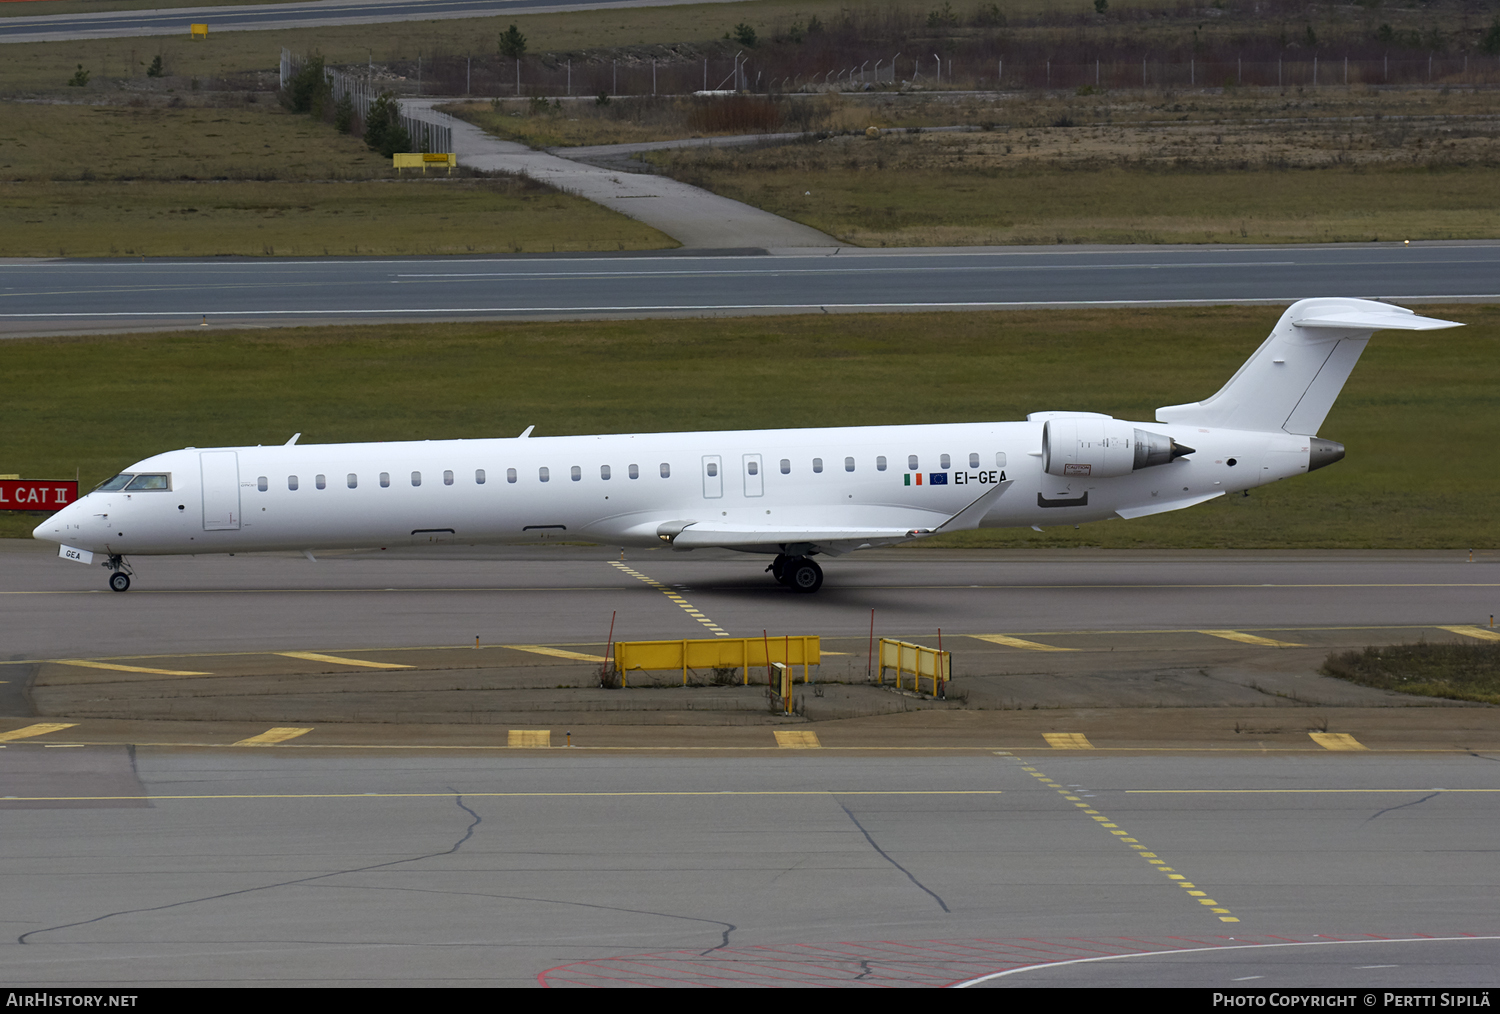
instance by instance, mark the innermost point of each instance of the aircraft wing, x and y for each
(831, 537)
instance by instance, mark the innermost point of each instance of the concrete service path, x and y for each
(695, 218)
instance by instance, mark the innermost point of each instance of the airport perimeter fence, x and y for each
(429, 131)
(545, 77)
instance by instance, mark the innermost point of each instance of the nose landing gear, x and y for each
(119, 580)
(798, 573)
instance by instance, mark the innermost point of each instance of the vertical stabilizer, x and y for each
(1291, 381)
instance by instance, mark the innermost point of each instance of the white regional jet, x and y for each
(792, 494)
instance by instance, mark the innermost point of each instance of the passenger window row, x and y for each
(945, 461)
(575, 472)
(544, 474)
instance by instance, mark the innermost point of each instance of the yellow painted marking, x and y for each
(529, 737)
(531, 795)
(1235, 635)
(1150, 857)
(1479, 632)
(278, 735)
(127, 668)
(1016, 642)
(34, 730)
(1204, 792)
(1337, 741)
(313, 656)
(537, 649)
(673, 596)
(797, 740)
(1067, 741)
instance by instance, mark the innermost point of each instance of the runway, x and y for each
(42, 296)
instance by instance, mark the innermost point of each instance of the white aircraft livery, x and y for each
(793, 494)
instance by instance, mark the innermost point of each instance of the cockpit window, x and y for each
(141, 482)
(118, 482)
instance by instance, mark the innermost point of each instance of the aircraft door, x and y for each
(221, 490)
(713, 477)
(755, 480)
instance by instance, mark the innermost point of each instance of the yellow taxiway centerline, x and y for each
(520, 795)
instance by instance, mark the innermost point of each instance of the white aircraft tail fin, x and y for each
(1291, 381)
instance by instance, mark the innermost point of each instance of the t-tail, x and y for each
(1292, 380)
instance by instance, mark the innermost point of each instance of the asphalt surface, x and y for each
(559, 595)
(174, 21)
(41, 296)
(263, 867)
(919, 848)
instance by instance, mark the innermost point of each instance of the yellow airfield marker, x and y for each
(1235, 635)
(1016, 642)
(34, 730)
(1337, 741)
(528, 737)
(116, 667)
(313, 656)
(537, 649)
(1479, 632)
(272, 736)
(793, 739)
(1067, 741)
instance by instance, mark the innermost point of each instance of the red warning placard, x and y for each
(36, 494)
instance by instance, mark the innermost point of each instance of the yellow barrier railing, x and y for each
(916, 659)
(716, 653)
(422, 159)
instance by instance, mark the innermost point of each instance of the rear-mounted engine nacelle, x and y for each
(1102, 448)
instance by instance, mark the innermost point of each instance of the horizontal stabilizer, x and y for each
(1292, 380)
(1390, 318)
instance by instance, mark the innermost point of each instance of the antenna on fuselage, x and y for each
(293, 440)
(526, 432)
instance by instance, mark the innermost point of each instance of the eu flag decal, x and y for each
(937, 479)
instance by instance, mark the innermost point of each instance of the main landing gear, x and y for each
(798, 573)
(119, 580)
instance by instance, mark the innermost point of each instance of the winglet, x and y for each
(526, 432)
(293, 440)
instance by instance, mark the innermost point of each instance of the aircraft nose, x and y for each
(51, 530)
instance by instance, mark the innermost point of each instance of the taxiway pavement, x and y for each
(248, 867)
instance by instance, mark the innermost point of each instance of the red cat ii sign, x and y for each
(37, 494)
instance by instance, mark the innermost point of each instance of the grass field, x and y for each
(1251, 166)
(252, 179)
(1464, 672)
(293, 219)
(1417, 413)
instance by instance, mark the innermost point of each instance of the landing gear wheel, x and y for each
(802, 575)
(777, 569)
(119, 582)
